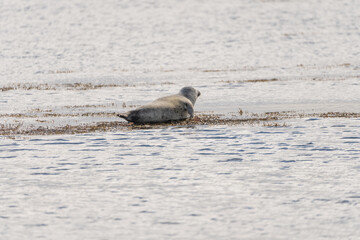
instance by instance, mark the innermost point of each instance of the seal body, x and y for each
(171, 108)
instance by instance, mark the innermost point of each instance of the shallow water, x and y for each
(202, 182)
(75, 64)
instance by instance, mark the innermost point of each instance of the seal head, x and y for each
(190, 93)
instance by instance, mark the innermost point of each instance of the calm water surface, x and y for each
(241, 182)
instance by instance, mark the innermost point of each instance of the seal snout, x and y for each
(199, 93)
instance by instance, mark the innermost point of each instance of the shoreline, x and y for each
(47, 127)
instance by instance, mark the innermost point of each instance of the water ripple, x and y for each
(231, 160)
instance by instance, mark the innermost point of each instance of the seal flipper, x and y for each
(132, 116)
(124, 116)
(190, 109)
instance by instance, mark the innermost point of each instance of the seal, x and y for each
(170, 108)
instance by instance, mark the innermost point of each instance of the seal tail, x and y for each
(124, 116)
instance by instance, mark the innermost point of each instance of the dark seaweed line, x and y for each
(267, 119)
(71, 86)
